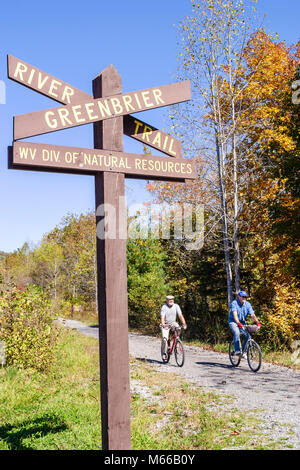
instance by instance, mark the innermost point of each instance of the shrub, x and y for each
(27, 328)
(281, 322)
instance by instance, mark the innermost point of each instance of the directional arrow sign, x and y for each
(54, 119)
(63, 93)
(73, 159)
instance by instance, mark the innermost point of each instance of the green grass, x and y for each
(55, 411)
(60, 409)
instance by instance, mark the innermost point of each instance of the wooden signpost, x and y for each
(109, 110)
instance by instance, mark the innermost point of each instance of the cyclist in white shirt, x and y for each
(168, 316)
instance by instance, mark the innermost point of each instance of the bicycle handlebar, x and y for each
(171, 327)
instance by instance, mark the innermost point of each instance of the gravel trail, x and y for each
(273, 392)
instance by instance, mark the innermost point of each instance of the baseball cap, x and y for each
(169, 297)
(242, 293)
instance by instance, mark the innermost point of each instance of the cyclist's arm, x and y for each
(254, 317)
(162, 318)
(236, 319)
(235, 316)
(181, 318)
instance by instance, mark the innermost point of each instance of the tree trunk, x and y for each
(222, 190)
(236, 245)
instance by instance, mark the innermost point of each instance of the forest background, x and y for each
(242, 130)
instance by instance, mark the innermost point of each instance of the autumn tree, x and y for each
(213, 41)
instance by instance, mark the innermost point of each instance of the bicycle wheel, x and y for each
(254, 356)
(179, 353)
(165, 355)
(234, 359)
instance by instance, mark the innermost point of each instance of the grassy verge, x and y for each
(60, 410)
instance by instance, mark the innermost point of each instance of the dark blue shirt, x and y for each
(243, 310)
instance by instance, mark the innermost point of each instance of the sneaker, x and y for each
(243, 355)
(236, 353)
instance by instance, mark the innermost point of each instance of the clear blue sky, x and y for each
(74, 42)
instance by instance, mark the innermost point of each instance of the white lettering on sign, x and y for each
(28, 75)
(74, 158)
(90, 110)
(85, 112)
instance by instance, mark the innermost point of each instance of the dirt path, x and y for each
(273, 392)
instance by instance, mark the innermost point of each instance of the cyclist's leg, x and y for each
(236, 336)
(246, 335)
(165, 335)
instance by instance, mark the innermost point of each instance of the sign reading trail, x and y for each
(109, 110)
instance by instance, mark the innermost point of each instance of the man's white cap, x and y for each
(169, 297)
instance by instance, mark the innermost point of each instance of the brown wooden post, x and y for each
(112, 283)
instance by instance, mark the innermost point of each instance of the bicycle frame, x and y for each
(246, 342)
(173, 341)
(250, 347)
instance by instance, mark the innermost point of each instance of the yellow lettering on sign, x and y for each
(157, 95)
(121, 163)
(114, 161)
(157, 140)
(147, 131)
(104, 108)
(20, 69)
(189, 168)
(77, 113)
(63, 114)
(137, 100)
(127, 102)
(67, 93)
(31, 76)
(68, 157)
(170, 167)
(53, 86)
(50, 122)
(171, 147)
(116, 105)
(86, 158)
(41, 81)
(24, 153)
(89, 111)
(138, 124)
(146, 99)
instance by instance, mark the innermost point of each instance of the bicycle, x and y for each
(173, 345)
(249, 347)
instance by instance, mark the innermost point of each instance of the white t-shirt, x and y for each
(170, 313)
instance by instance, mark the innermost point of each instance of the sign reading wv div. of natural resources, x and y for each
(109, 110)
(42, 156)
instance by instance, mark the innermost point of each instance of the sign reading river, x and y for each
(110, 112)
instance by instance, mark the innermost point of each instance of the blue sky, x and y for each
(74, 42)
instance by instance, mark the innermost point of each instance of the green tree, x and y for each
(147, 284)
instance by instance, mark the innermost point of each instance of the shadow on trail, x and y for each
(14, 434)
(149, 361)
(215, 364)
